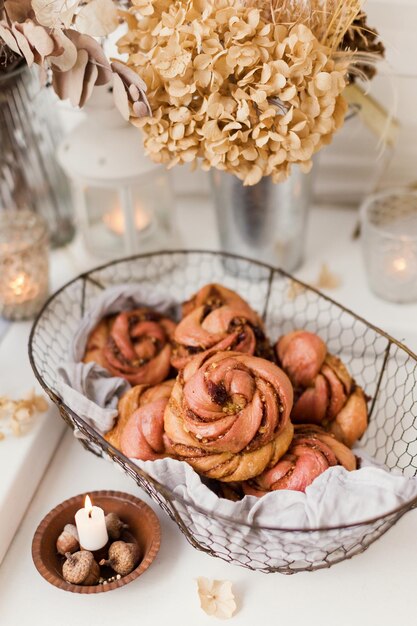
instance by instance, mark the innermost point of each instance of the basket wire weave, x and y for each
(384, 367)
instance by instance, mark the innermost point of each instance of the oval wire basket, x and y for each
(384, 367)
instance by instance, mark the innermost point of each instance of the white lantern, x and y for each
(123, 200)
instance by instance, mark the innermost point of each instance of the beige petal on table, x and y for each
(216, 597)
(98, 18)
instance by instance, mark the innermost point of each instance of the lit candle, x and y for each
(400, 265)
(91, 526)
(115, 220)
(22, 288)
(24, 265)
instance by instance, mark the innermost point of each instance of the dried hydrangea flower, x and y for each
(216, 597)
(232, 88)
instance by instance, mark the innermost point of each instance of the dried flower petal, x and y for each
(216, 597)
(327, 279)
(19, 414)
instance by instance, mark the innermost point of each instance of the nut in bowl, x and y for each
(139, 527)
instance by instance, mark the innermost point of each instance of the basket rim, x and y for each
(96, 438)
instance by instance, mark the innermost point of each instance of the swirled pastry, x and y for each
(312, 451)
(139, 431)
(228, 415)
(325, 393)
(135, 345)
(217, 318)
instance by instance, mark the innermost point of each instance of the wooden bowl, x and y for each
(143, 525)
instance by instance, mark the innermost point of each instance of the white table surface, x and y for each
(375, 588)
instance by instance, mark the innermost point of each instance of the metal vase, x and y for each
(30, 176)
(267, 221)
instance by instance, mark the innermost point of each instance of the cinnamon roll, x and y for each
(325, 392)
(139, 431)
(135, 345)
(229, 415)
(216, 318)
(311, 453)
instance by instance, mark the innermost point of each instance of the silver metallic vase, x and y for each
(267, 221)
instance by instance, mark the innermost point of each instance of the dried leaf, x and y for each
(8, 38)
(98, 18)
(129, 92)
(24, 46)
(55, 13)
(39, 39)
(120, 97)
(75, 78)
(95, 54)
(18, 10)
(216, 597)
(68, 57)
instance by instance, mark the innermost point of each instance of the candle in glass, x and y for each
(24, 269)
(115, 220)
(389, 232)
(91, 526)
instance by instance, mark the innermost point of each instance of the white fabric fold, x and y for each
(337, 497)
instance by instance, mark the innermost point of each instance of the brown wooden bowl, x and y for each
(143, 526)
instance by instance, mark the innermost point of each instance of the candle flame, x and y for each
(115, 220)
(88, 506)
(400, 264)
(18, 284)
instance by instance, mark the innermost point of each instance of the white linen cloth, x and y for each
(336, 497)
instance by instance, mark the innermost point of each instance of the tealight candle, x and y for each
(389, 230)
(24, 270)
(115, 220)
(91, 526)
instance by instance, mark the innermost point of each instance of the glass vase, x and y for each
(267, 221)
(30, 175)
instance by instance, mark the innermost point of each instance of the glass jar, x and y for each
(24, 264)
(389, 241)
(30, 175)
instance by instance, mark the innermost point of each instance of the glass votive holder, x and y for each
(389, 240)
(24, 264)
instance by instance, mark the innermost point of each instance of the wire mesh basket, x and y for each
(385, 368)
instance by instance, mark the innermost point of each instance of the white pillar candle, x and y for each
(91, 526)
